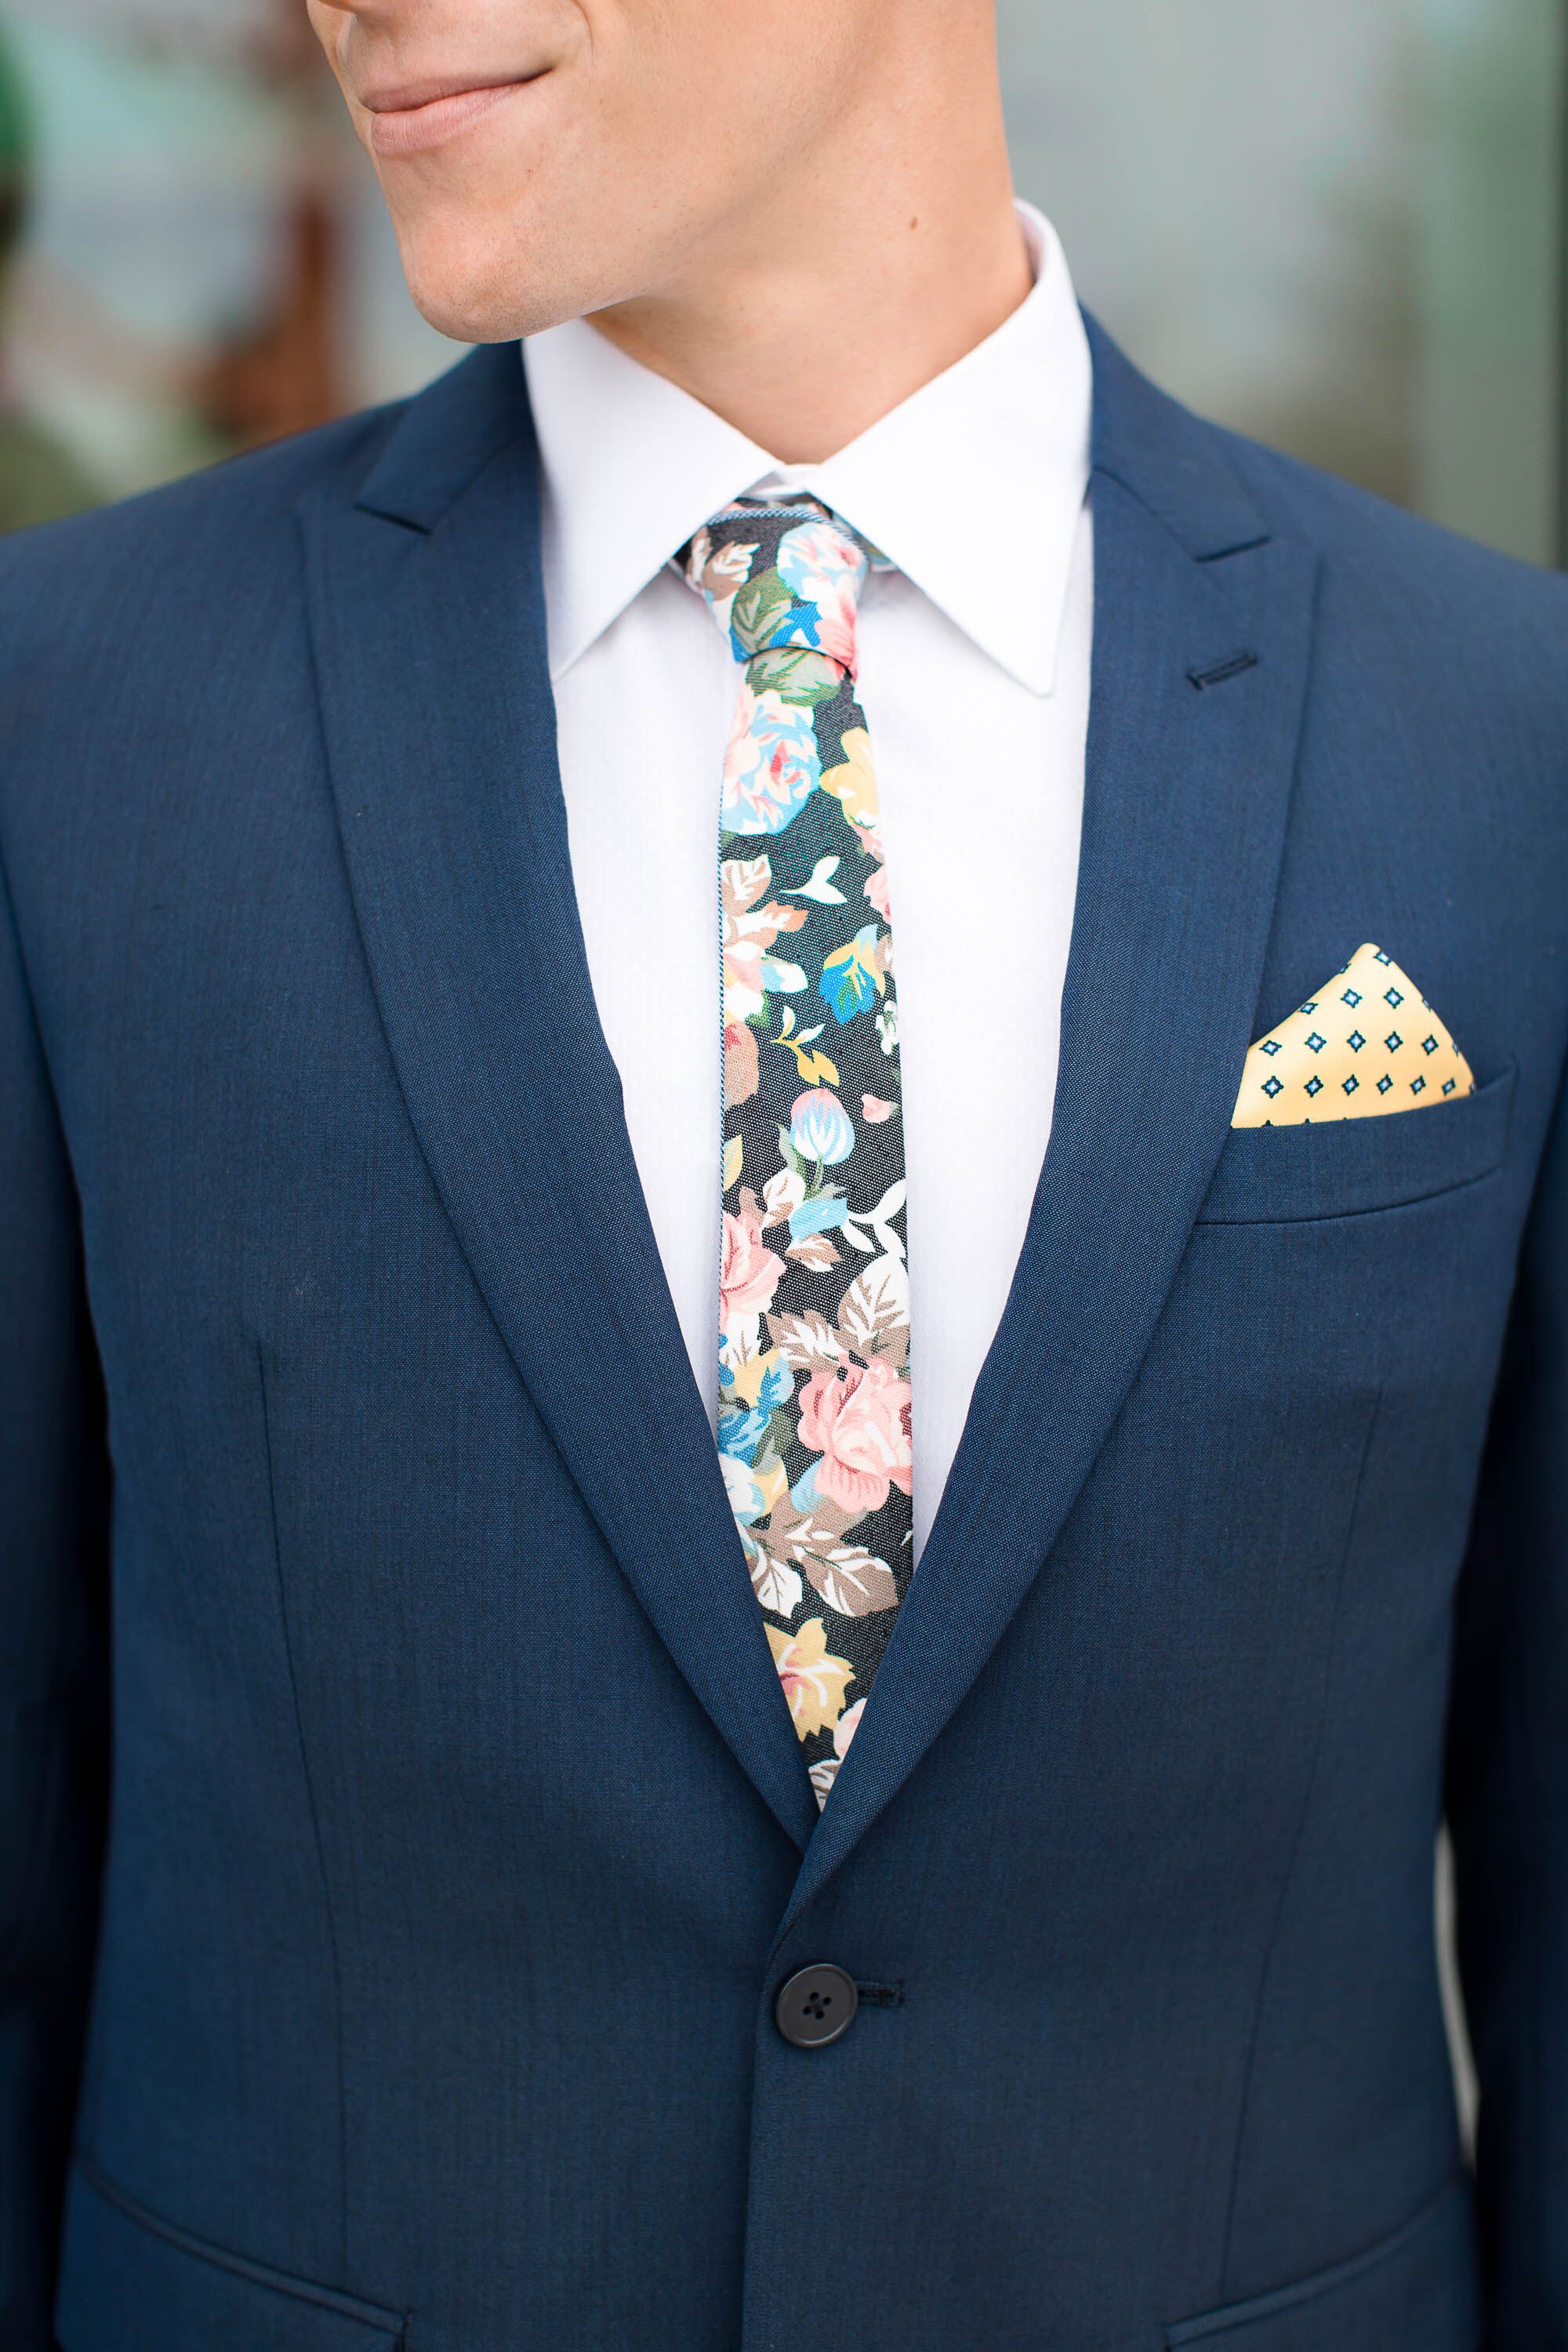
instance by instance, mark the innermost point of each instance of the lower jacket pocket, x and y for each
(1416, 2291)
(130, 2282)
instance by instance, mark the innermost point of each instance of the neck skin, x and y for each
(882, 258)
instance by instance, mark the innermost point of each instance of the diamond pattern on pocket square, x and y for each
(1334, 1058)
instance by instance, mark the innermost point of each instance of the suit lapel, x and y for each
(428, 622)
(427, 617)
(1186, 792)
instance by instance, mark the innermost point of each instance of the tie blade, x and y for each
(814, 1409)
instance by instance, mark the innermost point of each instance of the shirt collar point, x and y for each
(628, 456)
(1036, 677)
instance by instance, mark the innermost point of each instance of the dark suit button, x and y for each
(815, 2006)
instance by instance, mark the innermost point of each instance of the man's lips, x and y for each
(407, 121)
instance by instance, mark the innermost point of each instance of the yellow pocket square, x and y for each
(1367, 1043)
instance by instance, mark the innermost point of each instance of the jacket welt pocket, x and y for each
(1342, 1168)
(1417, 2290)
(132, 2281)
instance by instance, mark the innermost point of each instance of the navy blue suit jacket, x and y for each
(404, 1838)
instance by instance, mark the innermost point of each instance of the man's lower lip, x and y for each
(409, 129)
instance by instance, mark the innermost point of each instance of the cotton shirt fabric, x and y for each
(975, 676)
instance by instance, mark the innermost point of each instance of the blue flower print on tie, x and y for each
(823, 568)
(772, 765)
(819, 1127)
(852, 976)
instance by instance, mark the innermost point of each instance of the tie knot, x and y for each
(783, 583)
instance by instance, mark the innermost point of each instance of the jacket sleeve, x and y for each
(53, 1699)
(1508, 1794)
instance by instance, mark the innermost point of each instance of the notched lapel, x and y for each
(428, 622)
(1201, 638)
(427, 616)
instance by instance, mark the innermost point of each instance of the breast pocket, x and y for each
(1364, 1258)
(1346, 1168)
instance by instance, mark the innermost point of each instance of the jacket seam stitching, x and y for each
(14, 1947)
(317, 1837)
(34, 1021)
(1288, 1881)
(1278, 2301)
(1533, 2227)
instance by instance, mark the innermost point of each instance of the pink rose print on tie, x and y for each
(772, 765)
(748, 1271)
(748, 933)
(857, 1417)
(822, 566)
(875, 888)
(740, 1063)
(824, 1772)
(847, 1724)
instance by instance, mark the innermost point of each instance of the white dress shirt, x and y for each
(974, 674)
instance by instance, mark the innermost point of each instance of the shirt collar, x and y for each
(972, 487)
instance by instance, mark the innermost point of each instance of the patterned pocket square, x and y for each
(1368, 1042)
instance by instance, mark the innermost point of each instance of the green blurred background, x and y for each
(1337, 227)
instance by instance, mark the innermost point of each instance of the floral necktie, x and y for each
(814, 1343)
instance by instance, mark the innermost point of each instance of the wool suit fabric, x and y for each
(402, 1836)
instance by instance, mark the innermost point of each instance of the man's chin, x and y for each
(489, 289)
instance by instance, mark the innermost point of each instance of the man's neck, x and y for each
(835, 297)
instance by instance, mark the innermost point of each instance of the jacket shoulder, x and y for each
(1438, 682)
(1401, 581)
(186, 539)
(1405, 572)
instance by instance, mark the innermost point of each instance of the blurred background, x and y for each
(1340, 227)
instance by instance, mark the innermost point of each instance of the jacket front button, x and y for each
(815, 2006)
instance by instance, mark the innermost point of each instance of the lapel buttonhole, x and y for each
(1217, 673)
